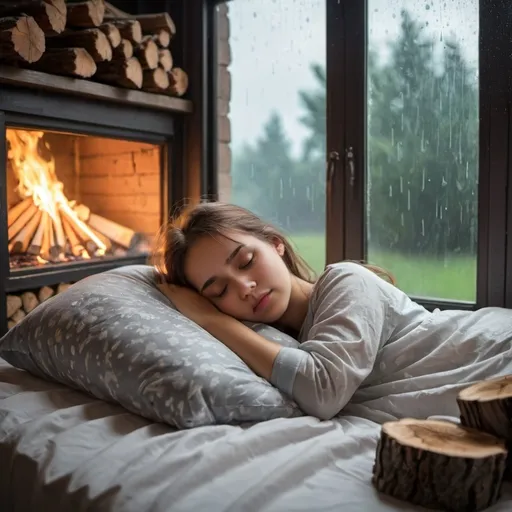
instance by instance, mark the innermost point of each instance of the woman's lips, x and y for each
(262, 303)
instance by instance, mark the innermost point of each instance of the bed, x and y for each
(62, 450)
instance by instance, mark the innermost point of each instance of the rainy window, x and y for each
(271, 115)
(423, 144)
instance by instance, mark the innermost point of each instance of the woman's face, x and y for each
(242, 275)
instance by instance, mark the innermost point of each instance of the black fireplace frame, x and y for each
(68, 110)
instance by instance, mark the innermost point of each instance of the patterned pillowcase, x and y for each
(116, 336)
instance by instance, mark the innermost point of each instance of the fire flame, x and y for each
(38, 180)
(36, 176)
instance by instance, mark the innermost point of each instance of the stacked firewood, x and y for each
(20, 305)
(92, 40)
(440, 464)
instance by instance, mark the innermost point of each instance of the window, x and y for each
(271, 115)
(422, 145)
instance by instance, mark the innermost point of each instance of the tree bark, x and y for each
(439, 465)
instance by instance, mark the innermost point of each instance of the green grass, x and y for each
(453, 278)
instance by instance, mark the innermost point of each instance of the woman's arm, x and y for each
(255, 350)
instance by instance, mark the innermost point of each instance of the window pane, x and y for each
(271, 110)
(423, 144)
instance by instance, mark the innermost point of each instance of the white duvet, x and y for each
(63, 451)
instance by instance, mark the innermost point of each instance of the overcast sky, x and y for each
(273, 43)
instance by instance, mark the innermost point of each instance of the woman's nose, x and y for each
(246, 287)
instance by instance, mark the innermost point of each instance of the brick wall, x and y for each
(223, 100)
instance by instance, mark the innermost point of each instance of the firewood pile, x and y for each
(92, 40)
(20, 305)
(443, 465)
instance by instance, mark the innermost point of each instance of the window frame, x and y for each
(494, 265)
(346, 115)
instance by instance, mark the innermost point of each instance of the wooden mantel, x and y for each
(91, 90)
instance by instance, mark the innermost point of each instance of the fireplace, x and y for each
(79, 198)
(88, 173)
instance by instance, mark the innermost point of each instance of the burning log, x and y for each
(165, 59)
(17, 225)
(17, 210)
(147, 53)
(37, 241)
(121, 235)
(21, 241)
(155, 80)
(21, 39)
(124, 51)
(112, 32)
(50, 15)
(93, 40)
(126, 73)
(86, 14)
(75, 62)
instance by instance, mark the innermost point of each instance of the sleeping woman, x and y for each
(362, 340)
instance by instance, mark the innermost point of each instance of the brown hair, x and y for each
(216, 218)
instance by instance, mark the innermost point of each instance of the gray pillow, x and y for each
(116, 336)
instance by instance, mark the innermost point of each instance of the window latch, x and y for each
(349, 155)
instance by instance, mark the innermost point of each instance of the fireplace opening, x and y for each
(79, 198)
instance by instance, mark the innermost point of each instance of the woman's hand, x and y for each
(190, 303)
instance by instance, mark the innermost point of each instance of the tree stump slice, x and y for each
(487, 406)
(439, 465)
(21, 39)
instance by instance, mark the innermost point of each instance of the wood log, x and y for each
(104, 239)
(10, 324)
(165, 59)
(93, 40)
(124, 51)
(45, 293)
(30, 301)
(129, 29)
(487, 406)
(45, 245)
(37, 241)
(54, 249)
(154, 23)
(17, 210)
(155, 80)
(163, 38)
(178, 82)
(63, 287)
(119, 234)
(75, 244)
(439, 465)
(22, 240)
(20, 222)
(50, 15)
(147, 53)
(18, 316)
(126, 73)
(13, 304)
(74, 62)
(87, 14)
(21, 39)
(112, 32)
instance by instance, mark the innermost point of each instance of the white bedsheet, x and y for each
(63, 451)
